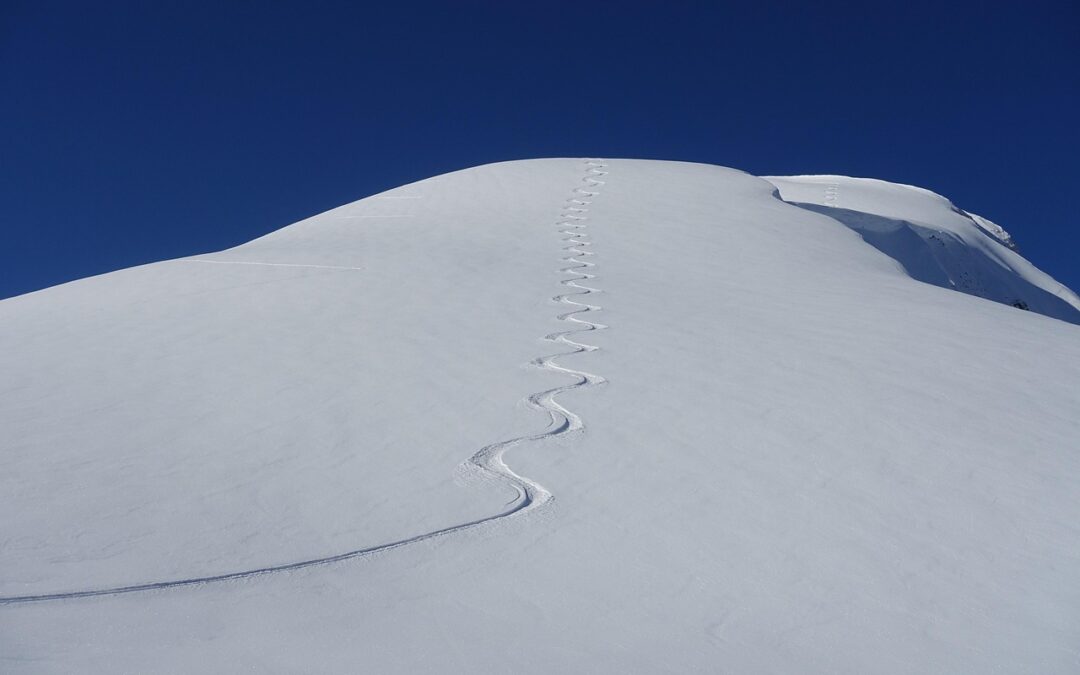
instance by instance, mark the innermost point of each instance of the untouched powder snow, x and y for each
(553, 416)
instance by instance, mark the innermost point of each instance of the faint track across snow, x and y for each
(269, 264)
(486, 463)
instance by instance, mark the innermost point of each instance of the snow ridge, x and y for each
(487, 463)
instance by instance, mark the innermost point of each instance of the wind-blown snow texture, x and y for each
(801, 459)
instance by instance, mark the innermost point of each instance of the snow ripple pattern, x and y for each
(487, 463)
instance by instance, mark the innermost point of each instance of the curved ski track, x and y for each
(486, 463)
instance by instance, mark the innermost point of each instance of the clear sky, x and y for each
(151, 130)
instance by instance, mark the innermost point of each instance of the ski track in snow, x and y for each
(487, 463)
(832, 195)
(269, 264)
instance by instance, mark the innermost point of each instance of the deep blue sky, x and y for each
(138, 132)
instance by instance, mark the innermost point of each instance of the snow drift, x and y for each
(933, 240)
(553, 416)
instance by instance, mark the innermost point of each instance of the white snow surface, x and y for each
(933, 240)
(770, 447)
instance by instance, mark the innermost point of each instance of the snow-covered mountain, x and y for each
(553, 416)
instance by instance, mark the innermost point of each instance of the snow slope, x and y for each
(781, 453)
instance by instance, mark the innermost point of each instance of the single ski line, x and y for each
(363, 217)
(269, 264)
(488, 461)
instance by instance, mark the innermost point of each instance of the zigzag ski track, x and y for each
(487, 463)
